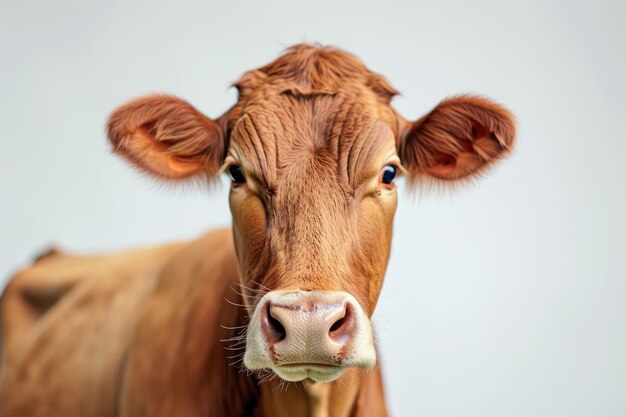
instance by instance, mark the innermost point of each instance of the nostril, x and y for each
(337, 324)
(275, 330)
(279, 331)
(342, 329)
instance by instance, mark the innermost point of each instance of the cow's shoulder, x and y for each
(177, 364)
(68, 322)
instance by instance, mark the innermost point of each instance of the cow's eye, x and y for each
(388, 174)
(236, 174)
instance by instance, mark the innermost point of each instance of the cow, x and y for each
(271, 317)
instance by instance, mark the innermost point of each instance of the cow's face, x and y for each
(313, 198)
(312, 149)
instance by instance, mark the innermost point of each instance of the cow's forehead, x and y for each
(314, 76)
(286, 134)
(313, 110)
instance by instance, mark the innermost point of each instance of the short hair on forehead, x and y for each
(314, 69)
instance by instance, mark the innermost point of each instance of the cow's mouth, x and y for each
(314, 371)
(308, 364)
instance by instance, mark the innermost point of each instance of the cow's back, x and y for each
(69, 323)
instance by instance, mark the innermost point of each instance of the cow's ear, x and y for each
(460, 137)
(166, 137)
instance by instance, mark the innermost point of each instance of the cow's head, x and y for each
(312, 148)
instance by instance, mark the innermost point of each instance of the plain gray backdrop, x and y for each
(504, 298)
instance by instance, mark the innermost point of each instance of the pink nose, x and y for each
(309, 329)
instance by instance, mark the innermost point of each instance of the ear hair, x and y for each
(463, 136)
(166, 136)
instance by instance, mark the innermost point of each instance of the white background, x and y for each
(506, 298)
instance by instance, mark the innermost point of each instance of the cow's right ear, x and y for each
(167, 137)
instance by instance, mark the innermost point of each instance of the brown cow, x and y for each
(272, 319)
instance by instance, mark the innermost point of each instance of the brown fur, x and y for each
(166, 136)
(460, 137)
(139, 333)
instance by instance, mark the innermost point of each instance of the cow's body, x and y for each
(271, 318)
(91, 342)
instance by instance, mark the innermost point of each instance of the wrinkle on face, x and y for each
(311, 161)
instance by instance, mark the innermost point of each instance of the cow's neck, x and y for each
(277, 398)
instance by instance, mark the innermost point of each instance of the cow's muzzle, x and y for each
(309, 334)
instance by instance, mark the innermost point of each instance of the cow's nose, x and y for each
(309, 334)
(309, 326)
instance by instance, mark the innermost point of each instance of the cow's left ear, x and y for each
(460, 137)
